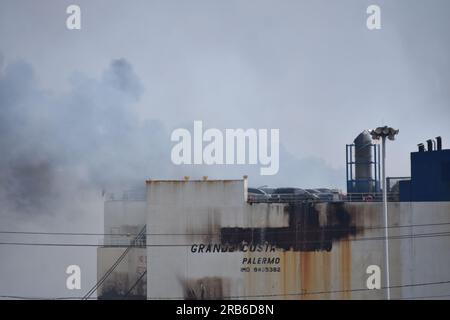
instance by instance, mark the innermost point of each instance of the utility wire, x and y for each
(116, 263)
(281, 294)
(426, 297)
(317, 292)
(400, 237)
(210, 234)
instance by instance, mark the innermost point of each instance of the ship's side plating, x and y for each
(210, 243)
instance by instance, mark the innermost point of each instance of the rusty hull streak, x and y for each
(345, 268)
(326, 272)
(306, 260)
(305, 250)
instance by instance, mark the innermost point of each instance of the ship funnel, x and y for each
(439, 143)
(429, 145)
(363, 161)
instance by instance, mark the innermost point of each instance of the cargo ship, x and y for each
(220, 239)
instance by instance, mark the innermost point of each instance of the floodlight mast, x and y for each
(390, 133)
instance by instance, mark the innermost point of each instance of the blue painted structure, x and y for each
(430, 177)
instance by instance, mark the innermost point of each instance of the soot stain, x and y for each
(304, 233)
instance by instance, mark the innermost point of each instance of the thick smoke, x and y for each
(92, 137)
(59, 153)
(89, 137)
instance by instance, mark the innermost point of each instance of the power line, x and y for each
(400, 237)
(276, 295)
(318, 292)
(116, 263)
(426, 297)
(209, 234)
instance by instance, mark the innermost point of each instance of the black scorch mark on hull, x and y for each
(304, 233)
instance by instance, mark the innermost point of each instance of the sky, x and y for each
(82, 111)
